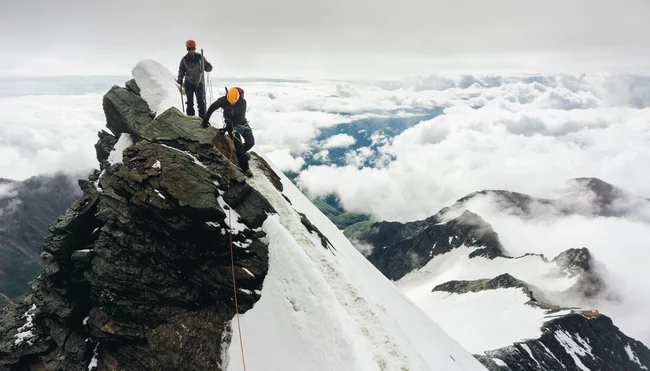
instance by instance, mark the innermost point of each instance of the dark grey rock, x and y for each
(82, 256)
(579, 262)
(132, 86)
(312, 228)
(104, 146)
(400, 248)
(502, 281)
(596, 343)
(125, 111)
(57, 331)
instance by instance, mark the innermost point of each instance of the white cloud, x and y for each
(359, 157)
(322, 155)
(525, 137)
(9, 209)
(45, 134)
(7, 190)
(284, 161)
(339, 141)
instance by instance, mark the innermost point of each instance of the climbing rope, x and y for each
(232, 263)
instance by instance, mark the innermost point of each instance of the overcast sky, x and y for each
(333, 37)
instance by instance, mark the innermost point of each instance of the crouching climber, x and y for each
(234, 115)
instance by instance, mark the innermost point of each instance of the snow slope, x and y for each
(488, 319)
(327, 309)
(456, 265)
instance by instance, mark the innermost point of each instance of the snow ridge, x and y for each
(337, 297)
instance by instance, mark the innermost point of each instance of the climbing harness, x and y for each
(232, 263)
(241, 129)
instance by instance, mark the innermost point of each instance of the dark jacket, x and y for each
(190, 68)
(233, 114)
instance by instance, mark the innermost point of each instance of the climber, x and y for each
(234, 115)
(190, 68)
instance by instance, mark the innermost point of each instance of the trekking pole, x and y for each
(180, 90)
(210, 86)
(203, 77)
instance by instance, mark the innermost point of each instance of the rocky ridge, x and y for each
(137, 272)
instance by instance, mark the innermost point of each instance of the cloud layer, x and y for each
(517, 135)
(45, 134)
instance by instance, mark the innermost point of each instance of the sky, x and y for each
(333, 38)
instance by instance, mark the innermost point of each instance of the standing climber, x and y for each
(234, 114)
(190, 68)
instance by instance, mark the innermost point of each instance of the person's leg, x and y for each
(241, 153)
(249, 141)
(189, 93)
(200, 100)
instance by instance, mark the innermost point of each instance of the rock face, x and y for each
(137, 273)
(572, 342)
(502, 281)
(579, 262)
(400, 248)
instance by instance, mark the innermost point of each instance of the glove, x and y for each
(205, 124)
(222, 131)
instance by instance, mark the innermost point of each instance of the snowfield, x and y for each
(325, 309)
(489, 319)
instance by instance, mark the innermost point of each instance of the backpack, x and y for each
(241, 91)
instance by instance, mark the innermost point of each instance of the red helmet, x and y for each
(190, 44)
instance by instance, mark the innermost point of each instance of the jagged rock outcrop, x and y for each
(499, 282)
(400, 248)
(137, 272)
(573, 343)
(579, 262)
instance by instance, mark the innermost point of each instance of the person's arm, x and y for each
(207, 65)
(219, 103)
(181, 71)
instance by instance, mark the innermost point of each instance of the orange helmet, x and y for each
(190, 44)
(233, 95)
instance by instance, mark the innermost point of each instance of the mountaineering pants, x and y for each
(242, 148)
(190, 90)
